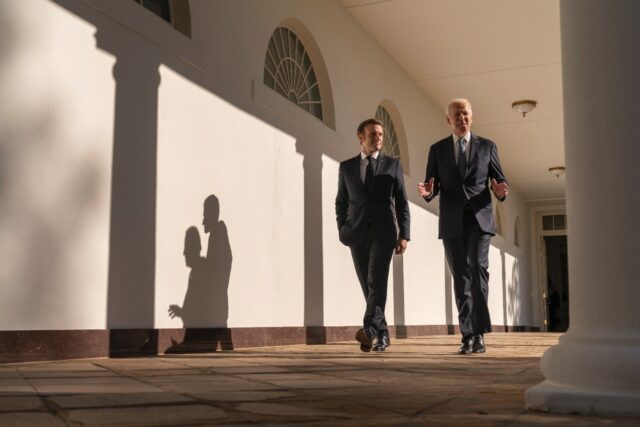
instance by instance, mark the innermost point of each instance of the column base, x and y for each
(550, 397)
(596, 373)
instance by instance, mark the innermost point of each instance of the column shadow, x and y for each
(315, 331)
(505, 299)
(448, 300)
(132, 240)
(398, 297)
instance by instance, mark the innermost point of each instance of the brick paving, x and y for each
(417, 381)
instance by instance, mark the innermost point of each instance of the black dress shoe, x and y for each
(478, 344)
(466, 347)
(365, 340)
(382, 343)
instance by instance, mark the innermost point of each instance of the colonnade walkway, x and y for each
(417, 381)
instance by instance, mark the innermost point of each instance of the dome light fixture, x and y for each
(557, 171)
(524, 106)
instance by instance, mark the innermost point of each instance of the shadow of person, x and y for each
(218, 261)
(205, 309)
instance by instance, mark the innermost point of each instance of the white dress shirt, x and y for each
(364, 162)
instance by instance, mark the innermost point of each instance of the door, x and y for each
(557, 283)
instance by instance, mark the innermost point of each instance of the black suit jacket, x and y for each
(385, 205)
(471, 192)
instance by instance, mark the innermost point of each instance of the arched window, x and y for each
(394, 142)
(516, 232)
(390, 142)
(175, 12)
(288, 70)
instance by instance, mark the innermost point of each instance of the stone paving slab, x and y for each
(213, 396)
(166, 415)
(21, 403)
(30, 419)
(106, 400)
(417, 381)
(115, 384)
(15, 387)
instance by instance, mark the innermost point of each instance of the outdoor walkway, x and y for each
(417, 381)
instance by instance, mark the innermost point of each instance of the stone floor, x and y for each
(417, 381)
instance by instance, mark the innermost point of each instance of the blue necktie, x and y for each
(462, 157)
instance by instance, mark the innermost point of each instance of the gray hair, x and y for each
(457, 101)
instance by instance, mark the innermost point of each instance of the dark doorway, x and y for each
(557, 283)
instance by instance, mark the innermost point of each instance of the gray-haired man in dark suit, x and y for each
(463, 168)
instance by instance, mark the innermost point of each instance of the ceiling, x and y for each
(492, 52)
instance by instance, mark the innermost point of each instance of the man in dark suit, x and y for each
(373, 219)
(462, 168)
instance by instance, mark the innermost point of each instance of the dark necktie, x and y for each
(368, 175)
(462, 157)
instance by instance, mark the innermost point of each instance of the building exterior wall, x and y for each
(272, 167)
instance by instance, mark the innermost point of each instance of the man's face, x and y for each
(371, 139)
(460, 118)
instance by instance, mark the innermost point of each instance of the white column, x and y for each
(595, 368)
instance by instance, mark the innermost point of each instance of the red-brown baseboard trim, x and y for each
(29, 346)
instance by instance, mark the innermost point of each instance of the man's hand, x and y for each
(500, 189)
(425, 188)
(401, 246)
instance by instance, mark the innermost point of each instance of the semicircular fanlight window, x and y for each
(390, 143)
(289, 71)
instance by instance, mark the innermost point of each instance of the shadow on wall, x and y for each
(514, 310)
(505, 301)
(132, 240)
(205, 309)
(313, 251)
(132, 246)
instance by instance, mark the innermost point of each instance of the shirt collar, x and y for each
(374, 155)
(466, 137)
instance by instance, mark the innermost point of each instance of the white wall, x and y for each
(55, 142)
(219, 132)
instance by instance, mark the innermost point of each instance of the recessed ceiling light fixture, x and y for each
(524, 106)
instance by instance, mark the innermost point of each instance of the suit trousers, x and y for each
(372, 258)
(468, 258)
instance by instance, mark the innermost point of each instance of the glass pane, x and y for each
(547, 222)
(559, 222)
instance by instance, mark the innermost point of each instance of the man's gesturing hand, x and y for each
(425, 188)
(500, 189)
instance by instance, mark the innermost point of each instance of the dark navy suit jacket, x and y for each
(384, 207)
(458, 193)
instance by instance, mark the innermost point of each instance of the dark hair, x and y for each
(366, 123)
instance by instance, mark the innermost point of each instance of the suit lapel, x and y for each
(380, 164)
(451, 154)
(473, 156)
(354, 169)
